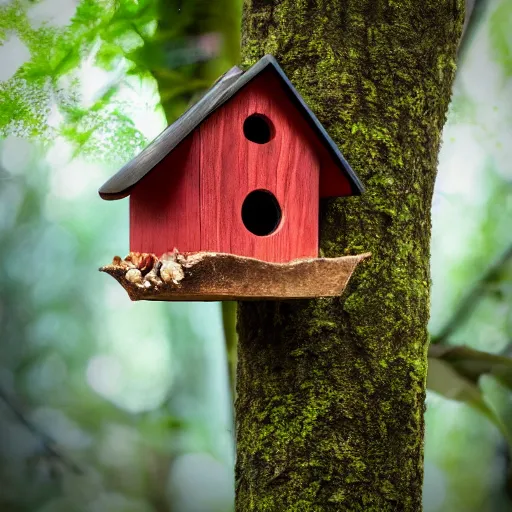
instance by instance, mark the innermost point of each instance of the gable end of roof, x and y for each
(121, 183)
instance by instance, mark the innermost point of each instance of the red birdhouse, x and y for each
(240, 173)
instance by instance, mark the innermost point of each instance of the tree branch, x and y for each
(468, 304)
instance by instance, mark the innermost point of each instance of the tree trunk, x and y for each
(331, 392)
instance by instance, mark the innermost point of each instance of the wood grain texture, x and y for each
(164, 206)
(192, 199)
(232, 167)
(214, 276)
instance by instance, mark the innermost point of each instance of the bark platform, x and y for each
(209, 276)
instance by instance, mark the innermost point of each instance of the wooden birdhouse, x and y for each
(224, 203)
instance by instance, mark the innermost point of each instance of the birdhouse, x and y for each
(224, 203)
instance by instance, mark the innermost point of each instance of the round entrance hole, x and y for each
(258, 128)
(261, 213)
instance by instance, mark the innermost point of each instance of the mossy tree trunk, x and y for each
(331, 392)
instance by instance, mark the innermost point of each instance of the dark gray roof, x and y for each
(119, 185)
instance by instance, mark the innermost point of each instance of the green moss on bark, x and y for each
(331, 392)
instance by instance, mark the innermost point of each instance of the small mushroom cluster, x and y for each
(146, 270)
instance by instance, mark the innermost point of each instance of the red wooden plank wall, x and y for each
(232, 167)
(192, 200)
(164, 205)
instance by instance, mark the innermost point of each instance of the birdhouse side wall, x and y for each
(232, 166)
(164, 205)
(192, 200)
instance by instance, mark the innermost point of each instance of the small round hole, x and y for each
(258, 128)
(261, 213)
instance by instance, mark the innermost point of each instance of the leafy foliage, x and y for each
(45, 97)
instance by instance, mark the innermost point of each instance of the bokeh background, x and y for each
(113, 406)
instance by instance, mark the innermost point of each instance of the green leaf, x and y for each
(108, 55)
(454, 372)
(68, 62)
(444, 379)
(472, 364)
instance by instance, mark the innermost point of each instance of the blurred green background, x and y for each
(113, 406)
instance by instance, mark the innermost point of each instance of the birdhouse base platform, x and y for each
(209, 276)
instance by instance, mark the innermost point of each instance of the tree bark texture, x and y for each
(330, 392)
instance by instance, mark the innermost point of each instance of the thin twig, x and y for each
(47, 442)
(468, 304)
